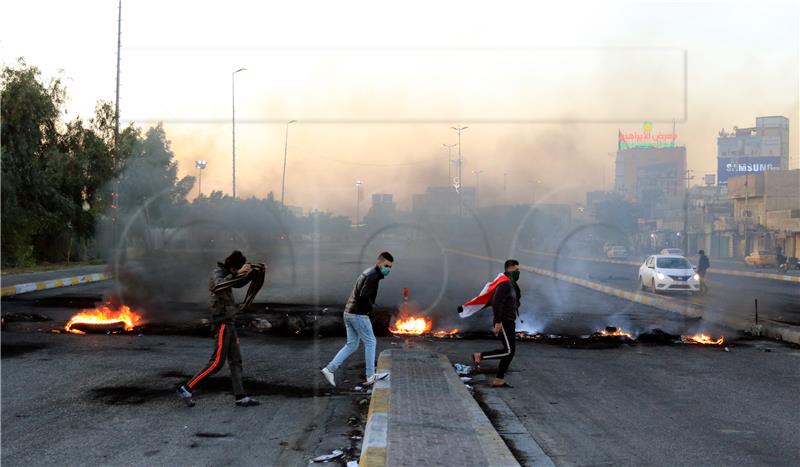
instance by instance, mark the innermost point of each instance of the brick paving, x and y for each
(428, 423)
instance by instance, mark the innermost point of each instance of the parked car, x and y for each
(671, 251)
(668, 273)
(761, 258)
(617, 252)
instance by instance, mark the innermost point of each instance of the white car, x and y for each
(671, 251)
(668, 273)
(617, 252)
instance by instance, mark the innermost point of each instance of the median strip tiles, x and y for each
(422, 414)
(727, 272)
(12, 290)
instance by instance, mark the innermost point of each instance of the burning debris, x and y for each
(702, 339)
(104, 320)
(411, 326)
(453, 333)
(612, 331)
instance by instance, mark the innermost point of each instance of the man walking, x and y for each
(505, 302)
(702, 266)
(234, 272)
(356, 318)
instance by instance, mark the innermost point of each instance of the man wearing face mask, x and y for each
(357, 319)
(505, 304)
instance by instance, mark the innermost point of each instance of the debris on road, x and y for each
(329, 457)
(462, 370)
(24, 317)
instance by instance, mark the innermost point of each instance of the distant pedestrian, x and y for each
(235, 272)
(357, 319)
(703, 265)
(504, 296)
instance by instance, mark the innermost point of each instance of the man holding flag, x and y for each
(503, 295)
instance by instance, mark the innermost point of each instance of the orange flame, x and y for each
(443, 333)
(411, 326)
(612, 331)
(702, 339)
(105, 315)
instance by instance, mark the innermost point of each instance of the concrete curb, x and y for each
(727, 272)
(18, 289)
(781, 332)
(374, 451)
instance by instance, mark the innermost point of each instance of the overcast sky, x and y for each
(375, 86)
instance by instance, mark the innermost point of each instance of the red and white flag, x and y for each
(483, 299)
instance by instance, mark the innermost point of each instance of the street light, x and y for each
(459, 130)
(477, 186)
(200, 165)
(233, 121)
(358, 199)
(449, 162)
(285, 150)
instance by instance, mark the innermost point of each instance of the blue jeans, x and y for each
(358, 328)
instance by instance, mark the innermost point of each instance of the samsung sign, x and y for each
(732, 167)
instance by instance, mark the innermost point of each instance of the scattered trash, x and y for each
(466, 379)
(357, 388)
(369, 391)
(18, 317)
(262, 324)
(329, 457)
(462, 370)
(205, 321)
(352, 463)
(727, 349)
(363, 402)
(353, 421)
(469, 388)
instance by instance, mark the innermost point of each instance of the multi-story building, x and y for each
(753, 150)
(766, 210)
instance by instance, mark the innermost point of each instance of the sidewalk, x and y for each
(422, 414)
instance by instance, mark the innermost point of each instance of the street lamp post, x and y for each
(233, 122)
(449, 162)
(358, 199)
(285, 152)
(460, 161)
(477, 186)
(200, 165)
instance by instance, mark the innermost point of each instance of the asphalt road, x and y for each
(88, 400)
(730, 296)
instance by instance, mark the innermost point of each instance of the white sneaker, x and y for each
(329, 376)
(376, 377)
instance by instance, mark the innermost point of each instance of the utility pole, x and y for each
(477, 187)
(460, 162)
(285, 151)
(746, 206)
(358, 199)
(233, 122)
(115, 161)
(687, 177)
(449, 162)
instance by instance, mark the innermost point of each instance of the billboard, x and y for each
(736, 167)
(645, 139)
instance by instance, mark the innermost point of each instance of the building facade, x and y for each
(757, 149)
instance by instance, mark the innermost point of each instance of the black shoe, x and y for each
(247, 401)
(186, 396)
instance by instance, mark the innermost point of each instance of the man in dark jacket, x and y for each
(702, 266)
(505, 305)
(235, 272)
(356, 318)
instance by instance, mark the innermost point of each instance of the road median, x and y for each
(422, 414)
(11, 290)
